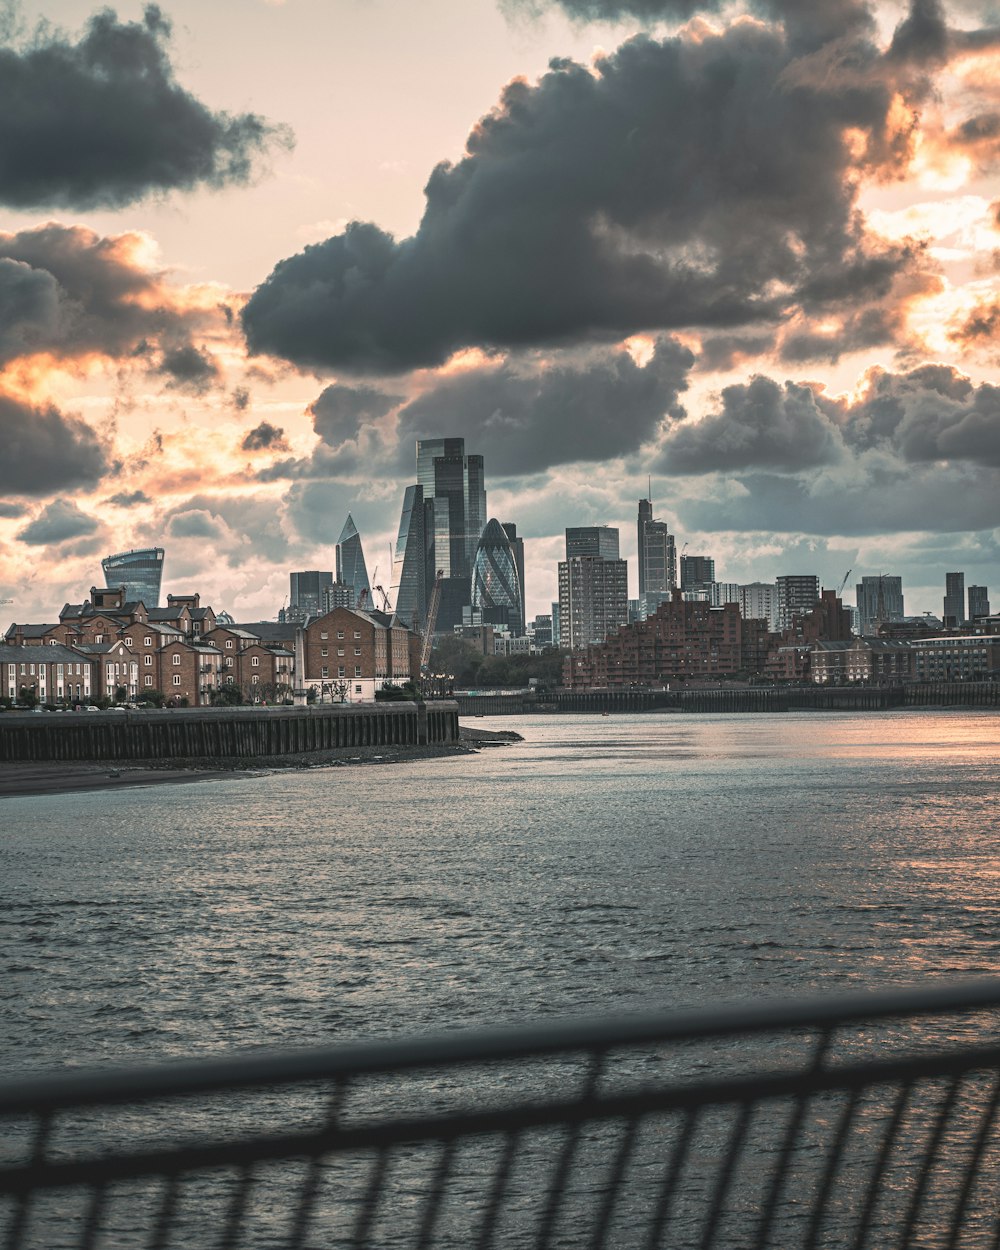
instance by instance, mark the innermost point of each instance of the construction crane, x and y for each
(386, 605)
(432, 616)
(840, 588)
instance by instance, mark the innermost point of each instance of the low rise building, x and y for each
(957, 657)
(50, 674)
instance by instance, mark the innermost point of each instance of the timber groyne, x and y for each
(222, 733)
(971, 694)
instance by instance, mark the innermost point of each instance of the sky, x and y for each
(744, 253)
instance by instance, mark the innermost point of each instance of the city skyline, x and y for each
(851, 424)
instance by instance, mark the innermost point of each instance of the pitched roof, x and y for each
(58, 654)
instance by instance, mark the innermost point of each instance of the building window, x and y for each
(148, 661)
(149, 680)
(340, 671)
(340, 650)
(340, 633)
(255, 661)
(229, 644)
(357, 650)
(177, 679)
(357, 670)
(128, 642)
(255, 677)
(176, 659)
(324, 671)
(229, 661)
(357, 633)
(357, 689)
(324, 650)
(98, 638)
(147, 642)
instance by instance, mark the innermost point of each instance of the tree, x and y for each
(228, 695)
(156, 698)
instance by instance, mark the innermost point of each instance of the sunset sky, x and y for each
(250, 250)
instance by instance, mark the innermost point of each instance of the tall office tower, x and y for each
(593, 599)
(880, 600)
(759, 602)
(697, 573)
(954, 600)
(657, 561)
(798, 593)
(140, 571)
(455, 487)
(409, 561)
(517, 546)
(306, 590)
(351, 564)
(592, 540)
(979, 602)
(496, 592)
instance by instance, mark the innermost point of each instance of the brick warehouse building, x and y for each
(683, 639)
(350, 654)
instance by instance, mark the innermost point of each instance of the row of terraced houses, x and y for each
(107, 647)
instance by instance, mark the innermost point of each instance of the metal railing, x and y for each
(857, 1121)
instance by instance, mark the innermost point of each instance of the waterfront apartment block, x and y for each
(964, 657)
(797, 594)
(683, 639)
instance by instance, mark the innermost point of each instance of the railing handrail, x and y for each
(52, 1090)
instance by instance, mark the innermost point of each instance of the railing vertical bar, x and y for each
(432, 1207)
(847, 1115)
(881, 1162)
(310, 1185)
(237, 1209)
(989, 1116)
(930, 1156)
(92, 1223)
(792, 1130)
(165, 1216)
(564, 1164)
(668, 1189)
(725, 1176)
(618, 1168)
(369, 1204)
(15, 1233)
(498, 1191)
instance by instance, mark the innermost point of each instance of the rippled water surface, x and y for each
(604, 864)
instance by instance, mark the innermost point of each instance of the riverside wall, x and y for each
(739, 699)
(221, 733)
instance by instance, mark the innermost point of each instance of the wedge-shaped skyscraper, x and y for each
(351, 564)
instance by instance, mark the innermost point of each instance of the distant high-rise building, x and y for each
(979, 602)
(592, 540)
(496, 592)
(410, 560)
(798, 593)
(306, 590)
(880, 600)
(517, 546)
(593, 599)
(657, 561)
(140, 571)
(759, 602)
(723, 593)
(336, 595)
(454, 486)
(351, 564)
(543, 631)
(697, 573)
(954, 600)
(556, 625)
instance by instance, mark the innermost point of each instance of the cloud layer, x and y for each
(103, 122)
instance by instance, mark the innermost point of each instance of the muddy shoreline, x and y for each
(26, 779)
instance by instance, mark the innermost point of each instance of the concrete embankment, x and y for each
(215, 734)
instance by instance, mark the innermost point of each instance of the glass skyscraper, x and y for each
(409, 561)
(496, 591)
(140, 571)
(351, 567)
(306, 590)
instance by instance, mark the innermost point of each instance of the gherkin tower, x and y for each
(496, 588)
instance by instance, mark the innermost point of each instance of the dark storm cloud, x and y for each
(265, 437)
(57, 522)
(931, 413)
(45, 450)
(103, 122)
(68, 291)
(690, 182)
(761, 425)
(341, 412)
(129, 499)
(10, 511)
(190, 369)
(253, 525)
(195, 524)
(526, 420)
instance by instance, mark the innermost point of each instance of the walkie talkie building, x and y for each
(140, 571)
